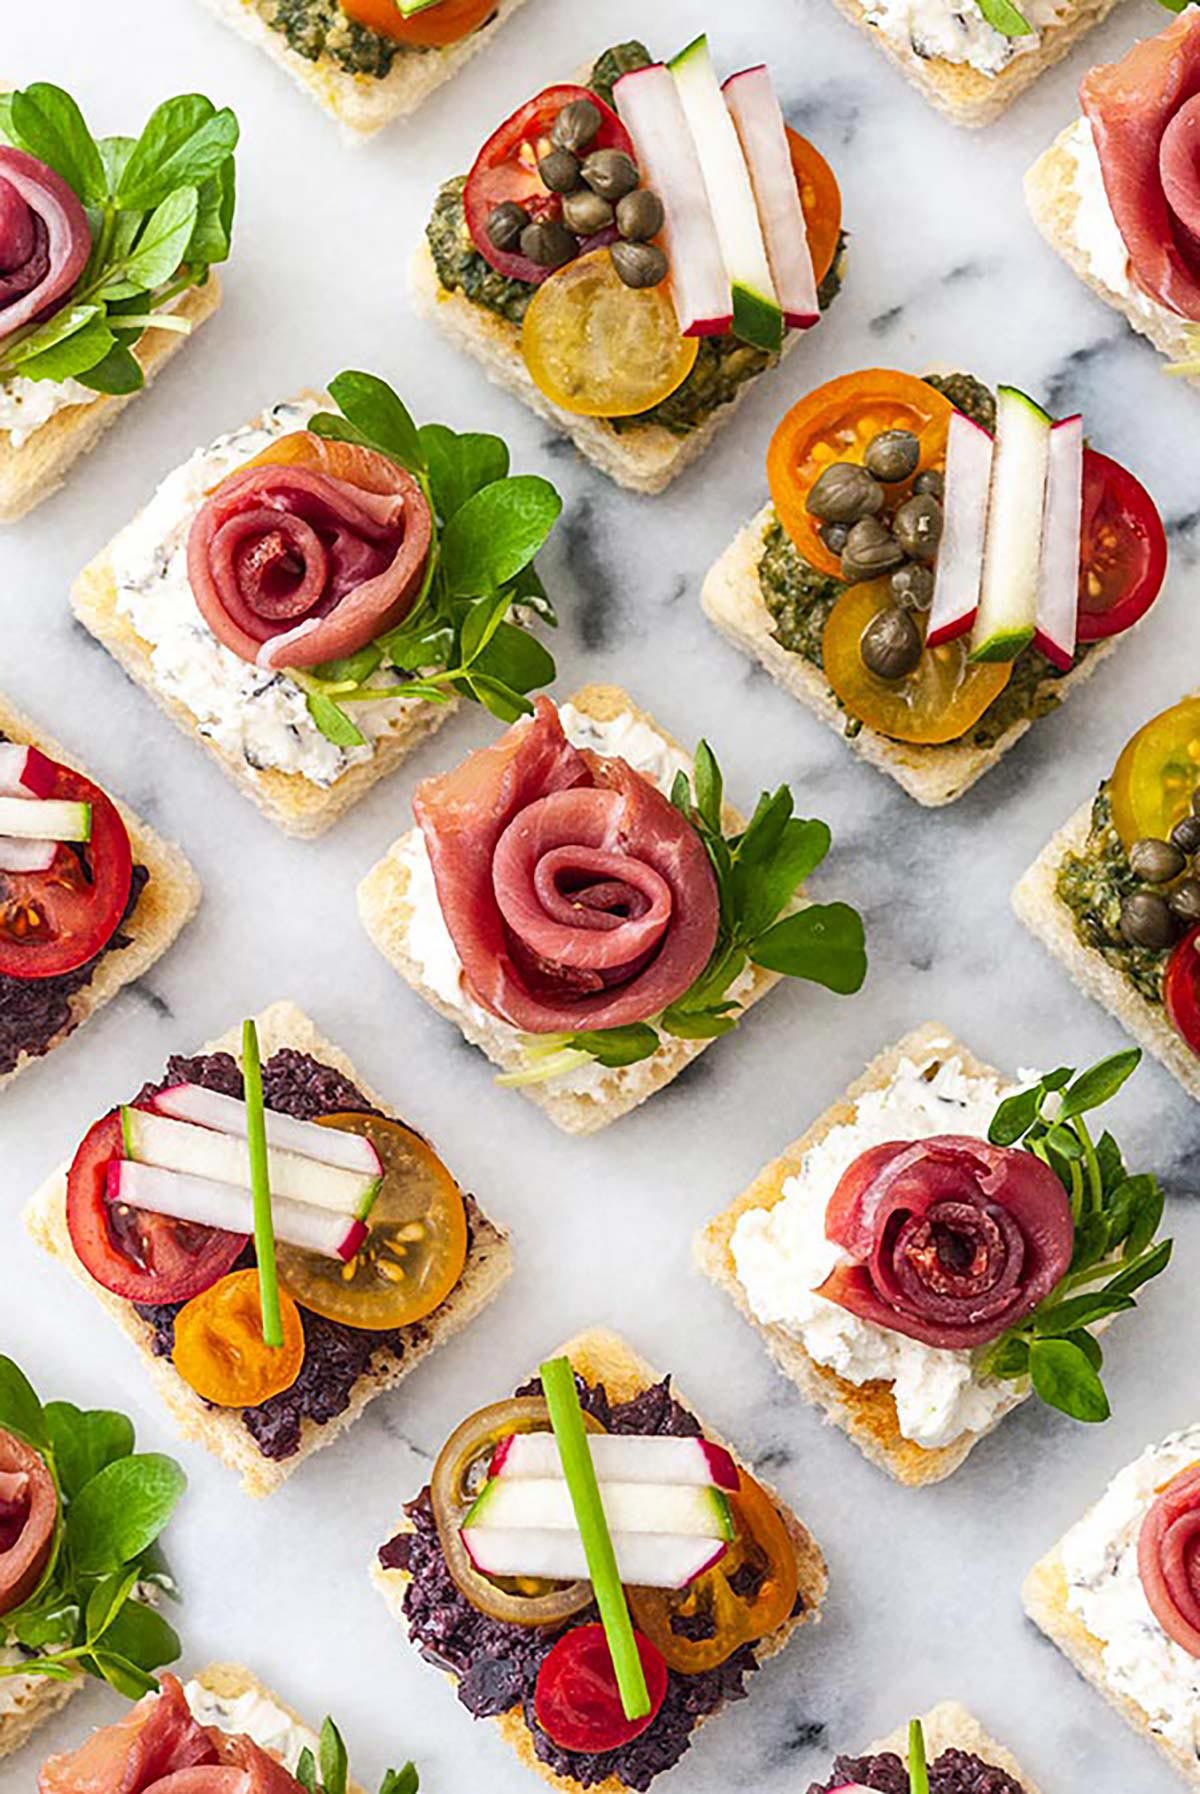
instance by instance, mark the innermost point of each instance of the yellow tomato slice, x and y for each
(939, 701)
(416, 1244)
(601, 349)
(1158, 771)
(219, 1347)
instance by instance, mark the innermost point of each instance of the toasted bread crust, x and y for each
(950, 1726)
(32, 1708)
(229, 1681)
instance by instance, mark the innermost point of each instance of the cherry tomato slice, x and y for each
(1123, 549)
(750, 1592)
(939, 701)
(836, 423)
(219, 1348)
(143, 1257)
(506, 168)
(55, 921)
(415, 1249)
(1153, 781)
(577, 1701)
(821, 200)
(28, 1520)
(1181, 989)
(446, 23)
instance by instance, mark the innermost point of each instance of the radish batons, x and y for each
(622, 1458)
(644, 1559)
(960, 556)
(758, 119)
(227, 1115)
(1012, 553)
(1058, 587)
(201, 1152)
(212, 1204)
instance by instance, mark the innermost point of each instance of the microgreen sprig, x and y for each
(1116, 1216)
(1005, 18)
(88, 1614)
(160, 208)
(459, 637)
(329, 1771)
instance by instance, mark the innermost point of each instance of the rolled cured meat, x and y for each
(28, 1516)
(1169, 1559)
(45, 239)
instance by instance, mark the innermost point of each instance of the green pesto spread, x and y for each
(1093, 884)
(723, 364)
(316, 28)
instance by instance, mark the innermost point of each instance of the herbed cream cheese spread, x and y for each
(25, 405)
(782, 1257)
(256, 1717)
(1104, 1590)
(258, 715)
(959, 32)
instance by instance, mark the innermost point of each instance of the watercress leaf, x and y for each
(1140, 1270)
(357, 667)
(332, 720)
(1099, 1083)
(7, 129)
(65, 323)
(84, 1441)
(337, 429)
(496, 697)
(51, 127)
(119, 372)
(1147, 1216)
(79, 344)
(114, 154)
(127, 1678)
(335, 1767)
(212, 233)
(715, 980)
(20, 1410)
(54, 1672)
(306, 1771)
(161, 247)
(1111, 1162)
(530, 594)
(1004, 17)
(412, 649)
(765, 830)
(120, 1512)
(52, 1623)
(372, 407)
(401, 1781)
(619, 1046)
(515, 658)
(823, 943)
(1065, 1378)
(1092, 1241)
(1089, 1345)
(497, 532)
(460, 465)
(480, 623)
(141, 1635)
(761, 889)
(1124, 1203)
(709, 787)
(681, 794)
(184, 142)
(1008, 1357)
(107, 1598)
(1065, 1142)
(1080, 1311)
(1015, 1116)
(696, 1024)
(154, 1568)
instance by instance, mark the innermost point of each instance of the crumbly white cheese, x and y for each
(255, 1716)
(258, 715)
(25, 405)
(956, 30)
(1104, 1590)
(782, 1257)
(1094, 230)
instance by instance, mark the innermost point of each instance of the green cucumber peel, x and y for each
(260, 1186)
(724, 1515)
(757, 319)
(566, 1418)
(410, 8)
(918, 1769)
(369, 1199)
(1005, 646)
(128, 1131)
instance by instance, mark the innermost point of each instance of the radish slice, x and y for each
(26, 856)
(211, 1204)
(758, 118)
(960, 557)
(227, 1115)
(25, 771)
(652, 112)
(1058, 580)
(644, 1559)
(200, 1152)
(539, 1504)
(622, 1458)
(45, 819)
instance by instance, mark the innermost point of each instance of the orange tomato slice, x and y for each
(219, 1347)
(939, 701)
(1153, 781)
(820, 199)
(836, 423)
(446, 23)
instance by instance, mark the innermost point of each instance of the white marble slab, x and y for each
(945, 267)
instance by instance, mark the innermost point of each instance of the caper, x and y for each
(586, 213)
(640, 215)
(844, 493)
(505, 224)
(869, 552)
(891, 644)
(892, 456)
(834, 536)
(1196, 801)
(1184, 901)
(918, 526)
(559, 170)
(610, 173)
(1186, 835)
(1146, 921)
(930, 483)
(912, 585)
(547, 243)
(575, 126)
(639, 264)
(1157, 862)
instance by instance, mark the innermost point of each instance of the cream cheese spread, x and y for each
(257, 1717)
(1095, 233)
(958, 32)
(25, 405)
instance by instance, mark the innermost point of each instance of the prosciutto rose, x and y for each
(309, 552)
(28, 1516)
(45, 239)
(576, 894)
(1169, 1559)
(1145, 117)
(950, 1241)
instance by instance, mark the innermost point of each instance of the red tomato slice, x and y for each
(1123, 549)
(55, 921)
(446, 23)
(506, 168)
(141, 1256)
(1181, 989)
(577, 1701)
(820, 199)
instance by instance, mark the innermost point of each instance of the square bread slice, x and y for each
(166, 905)
(230, 1682)
(219, 1430)
(1053, 201)
(1038, 905)
(732, 599)
(361, 104)
(39, 467)
(599, 1356)
(864, 1411)
(387, 915)
(967, 95)
(33, 1704)
(950, 1726)
(296, 804)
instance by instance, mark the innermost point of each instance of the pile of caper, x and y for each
(1168, 903)
(874, 533)
(599, 190)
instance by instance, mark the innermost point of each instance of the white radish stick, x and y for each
(1058, 579)
(758, 118)
(644, 1559)
(200, 1152)
(960, 556)
(227, 1115)
(210, 1204)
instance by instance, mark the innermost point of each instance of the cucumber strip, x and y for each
(642, 1560)
(544, 1504)
(45, 819)
(960, 556)
(1058, 585)
(409, 9)
(1012, 551)
(177, 1146)
(762, 133)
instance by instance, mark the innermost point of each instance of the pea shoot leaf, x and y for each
(496, 532)
(1065, 1378)
(47, 122)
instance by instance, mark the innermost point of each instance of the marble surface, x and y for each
(945, 267)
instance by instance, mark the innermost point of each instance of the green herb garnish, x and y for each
(161, 213)
(331, 1775)
(566, 1417)
(88, 1614)
(1005, 18)
(260, 1185)
(1116, 1217)
(918, 1769)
